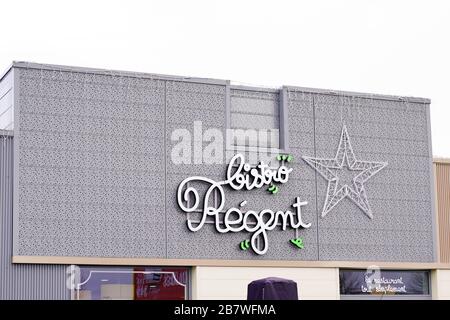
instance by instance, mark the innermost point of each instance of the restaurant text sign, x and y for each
(241, 175)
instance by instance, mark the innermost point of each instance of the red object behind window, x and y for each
(159, 286)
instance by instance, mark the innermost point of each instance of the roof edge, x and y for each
(112, 72)
(375, 96)
(155, 76)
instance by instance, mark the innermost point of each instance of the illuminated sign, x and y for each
(241, 175)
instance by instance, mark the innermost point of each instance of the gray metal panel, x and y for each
(207, 243)
(16, 148)
(436, 255)
(20, 281)
(254, 121)
(255, 102)
(284, 118)
(95, 177)
(91, 172)
(256, 109)
(401, 229)
(181, 242)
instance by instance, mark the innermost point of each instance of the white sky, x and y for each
(389, 47)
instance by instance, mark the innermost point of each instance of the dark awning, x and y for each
(272, 288)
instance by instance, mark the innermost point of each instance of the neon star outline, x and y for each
(329, 168)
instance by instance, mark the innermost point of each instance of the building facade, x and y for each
(122, 185)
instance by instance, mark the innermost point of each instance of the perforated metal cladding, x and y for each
(91, 165)
(96, 178)
(207, 242)
(22, 281)
(399, 195)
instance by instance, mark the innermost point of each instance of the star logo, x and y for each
(333, 170)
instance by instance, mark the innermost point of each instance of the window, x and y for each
(132, 283)
(384, 284)
(254, 119)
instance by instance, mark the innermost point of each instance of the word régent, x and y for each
(240, 175)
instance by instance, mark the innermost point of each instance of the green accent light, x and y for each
(285, 157)
(244, 245)
(298, 242)
(273, 189)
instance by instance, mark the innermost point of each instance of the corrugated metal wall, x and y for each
(20, 281)
(442, 172)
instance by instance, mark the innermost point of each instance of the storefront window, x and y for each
(375, 283)
(132, 283)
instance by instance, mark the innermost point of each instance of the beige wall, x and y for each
(440, 284)
(227, 283)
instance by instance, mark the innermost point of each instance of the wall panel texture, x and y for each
(22, 281)
(95, 174)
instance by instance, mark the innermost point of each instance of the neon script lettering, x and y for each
(240, 175)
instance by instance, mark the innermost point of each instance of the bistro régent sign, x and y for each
(240, 175)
